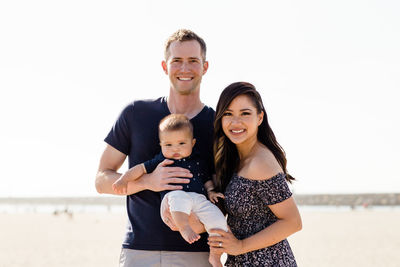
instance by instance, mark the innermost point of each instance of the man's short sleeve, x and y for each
(119, 136)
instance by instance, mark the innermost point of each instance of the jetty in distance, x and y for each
(385, 199)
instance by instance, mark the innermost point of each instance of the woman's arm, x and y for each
(289, 222)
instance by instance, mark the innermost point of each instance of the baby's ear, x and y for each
(193, 142)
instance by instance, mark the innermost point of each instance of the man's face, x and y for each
(185, 66)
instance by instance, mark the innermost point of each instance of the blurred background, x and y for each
(328, 72)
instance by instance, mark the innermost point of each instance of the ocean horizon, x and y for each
(113, 204)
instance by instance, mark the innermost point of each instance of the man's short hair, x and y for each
(175, 122)
(183, 35)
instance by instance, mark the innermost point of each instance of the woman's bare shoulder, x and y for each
(261, 167)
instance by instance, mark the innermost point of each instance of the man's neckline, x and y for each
(192, 115)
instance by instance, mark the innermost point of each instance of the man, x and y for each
(148, 241)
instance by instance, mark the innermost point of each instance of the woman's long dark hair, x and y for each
(226, 156)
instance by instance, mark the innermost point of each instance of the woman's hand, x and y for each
(226, 242)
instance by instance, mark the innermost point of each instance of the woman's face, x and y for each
(240, 120)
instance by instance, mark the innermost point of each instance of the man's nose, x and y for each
(185, 66)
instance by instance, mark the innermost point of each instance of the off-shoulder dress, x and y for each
(246, 202)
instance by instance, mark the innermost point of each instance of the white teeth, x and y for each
(238, 131)
(185, 79)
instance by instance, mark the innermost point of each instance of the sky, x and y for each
(328, 72)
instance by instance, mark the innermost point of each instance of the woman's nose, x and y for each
(235, 119)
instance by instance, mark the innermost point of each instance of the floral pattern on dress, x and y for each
(246, 202)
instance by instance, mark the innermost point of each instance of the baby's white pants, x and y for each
(188, 202)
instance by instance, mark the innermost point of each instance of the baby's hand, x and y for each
(120, 186)
(213, 196)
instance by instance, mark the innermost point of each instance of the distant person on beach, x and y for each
(176, 141)
(251, 171)
(148, 241)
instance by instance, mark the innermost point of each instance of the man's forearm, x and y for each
(137, 185)
(104, 181)
(106, 178)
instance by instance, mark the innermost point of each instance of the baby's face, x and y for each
(176, 144)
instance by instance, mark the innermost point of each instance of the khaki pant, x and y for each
(148, 258)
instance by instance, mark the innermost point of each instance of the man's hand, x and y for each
(164, 177)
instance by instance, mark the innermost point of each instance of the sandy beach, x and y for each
(328, 238)
(348, 238)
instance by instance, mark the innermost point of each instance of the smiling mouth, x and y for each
(237, 131)
(185, 79)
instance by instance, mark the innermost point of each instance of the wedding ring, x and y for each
(220, 244)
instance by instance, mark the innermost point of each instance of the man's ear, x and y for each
(205, 67)
(164, 66)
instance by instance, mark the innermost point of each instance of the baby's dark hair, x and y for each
(175, 122)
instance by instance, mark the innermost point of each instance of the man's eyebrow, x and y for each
(197, 58)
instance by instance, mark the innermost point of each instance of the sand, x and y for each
(335, 238)
(348, 238)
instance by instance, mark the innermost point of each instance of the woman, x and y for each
(251, 170)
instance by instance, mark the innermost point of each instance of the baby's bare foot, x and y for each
(189, 235)
(215, 260)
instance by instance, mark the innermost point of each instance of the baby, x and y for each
(177, 142)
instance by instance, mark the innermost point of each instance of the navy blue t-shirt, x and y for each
(193, 163)
(135, 133)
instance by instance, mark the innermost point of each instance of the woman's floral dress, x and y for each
(246, 202)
